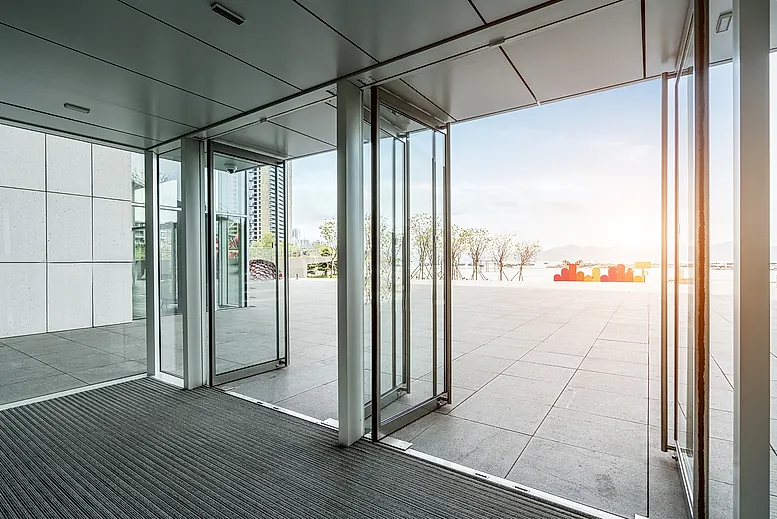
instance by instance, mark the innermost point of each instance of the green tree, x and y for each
(328, 232)
(422, 242)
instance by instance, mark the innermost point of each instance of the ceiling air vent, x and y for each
(77, 108)
(226, 13)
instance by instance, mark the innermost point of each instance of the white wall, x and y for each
(65, 234)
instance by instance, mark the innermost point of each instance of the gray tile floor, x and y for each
(555, 386)
(36, 365)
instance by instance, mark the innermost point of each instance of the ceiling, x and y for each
(151, 71)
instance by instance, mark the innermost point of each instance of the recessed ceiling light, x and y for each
(724, 22)
(230, 15)
(76, 108)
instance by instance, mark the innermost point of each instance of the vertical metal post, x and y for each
(435, 255)
(152, 262)
(448, 268)
(375, 260)
(406, 321)
(277, 265)
(664, 260)
(210, 251)
(394, 262)
(286, 218)
(350, 268)
(191, 200)
(676, 259)
(701, 287)
(751, 259)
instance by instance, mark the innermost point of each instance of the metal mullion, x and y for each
(393, 262)
(153, 313)
(434, 263)
(448, 267)
(286, 341)
(676, 237)
(374, 261)
(277, 277)
(406, 267)
(701, 264)
(664, 261)
(211, 262)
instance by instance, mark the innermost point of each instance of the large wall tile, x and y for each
(112, 230)
(22, 158)
(68, 165)
(69, 296)
(112, 293)
(22, 225)
(69, 226)
(22, 299)
(112, 170)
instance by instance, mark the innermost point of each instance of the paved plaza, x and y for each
(556, 385)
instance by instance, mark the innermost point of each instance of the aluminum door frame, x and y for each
(282, 350)
(382, 427)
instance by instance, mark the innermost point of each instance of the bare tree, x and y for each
(458, 246)
(477, 241)
(527, 253)
(422, 240)
(501, 247)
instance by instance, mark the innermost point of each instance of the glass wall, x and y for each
(70, 264)
(170, 250)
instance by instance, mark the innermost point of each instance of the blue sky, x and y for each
(584, 171)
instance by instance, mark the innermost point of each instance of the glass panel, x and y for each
(139, 262)
(170, 247)
(246, 273)
(422, 257)
(439, 255)
(282, 245)
(398, 253)
(685, 285)
(367, 190)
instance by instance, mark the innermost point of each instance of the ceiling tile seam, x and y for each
(57, 116)
(210, 45)
(443, 110)
(269, 118)
(156, 80)
(566, 97)
(302, 133)
(373, 58)
(504, 53)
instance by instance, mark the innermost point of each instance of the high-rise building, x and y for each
(266, 198)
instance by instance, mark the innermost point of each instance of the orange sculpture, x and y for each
(618, 274)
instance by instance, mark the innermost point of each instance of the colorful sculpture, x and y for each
(615, 274)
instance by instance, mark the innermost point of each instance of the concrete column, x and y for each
(350, 263)
(152, 262)
(192, 267)
(751, 258)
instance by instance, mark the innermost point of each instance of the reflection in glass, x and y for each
(249, 240)
(170, 246)
(686, 251)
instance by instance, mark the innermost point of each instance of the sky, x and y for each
(583, 171)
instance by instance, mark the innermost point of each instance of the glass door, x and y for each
(406, 286)
(246, 262)
(690, 324)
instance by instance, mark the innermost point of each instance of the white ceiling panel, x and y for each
(276, 140)
(387, 29)
(47, 99)
(596, 50)
(664, 24)
(493, 10)
(70, 127)
(133, 40)
(475, 85)
(278, 36)
(37, 61)
(318, 121)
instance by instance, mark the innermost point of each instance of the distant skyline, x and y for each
(584, 171)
